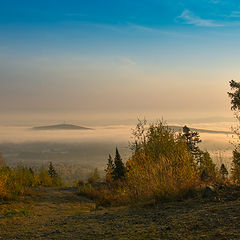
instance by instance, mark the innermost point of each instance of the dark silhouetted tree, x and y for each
(119, 169)
(235, 106)
(192, 139)
(223, 171)
(235, 95)
(201, 158)
(51, 171)
(109, 169)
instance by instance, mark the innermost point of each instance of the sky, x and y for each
(118, 59)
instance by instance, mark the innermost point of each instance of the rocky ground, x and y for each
(55, 213)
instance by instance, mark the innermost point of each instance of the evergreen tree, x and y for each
(51, 171)
(192, 139)
(109, 164)
(223, 171)
(201, 158)
(119, 169)
(109, 169)
(235, 95)
(235, 101)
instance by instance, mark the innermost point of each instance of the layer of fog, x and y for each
(98, 134)
(76, 153)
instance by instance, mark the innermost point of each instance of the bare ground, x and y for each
(59, 213)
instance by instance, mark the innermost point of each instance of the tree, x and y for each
(51, 171)
(109, 169)
(206, 164)
(236, 165)
(235, 95)
(119, 169)
(235, 102)
(160, 165)
(201, 158)
(223, 171)
(192, 139)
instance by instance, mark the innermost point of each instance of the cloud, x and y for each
(151, 30)
(142, 28)
(187, 17)
(126, 61)
(235, 14)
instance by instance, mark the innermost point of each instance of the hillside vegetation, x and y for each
(164, 165)
(21, 181)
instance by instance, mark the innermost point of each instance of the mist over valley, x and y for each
(75, 153)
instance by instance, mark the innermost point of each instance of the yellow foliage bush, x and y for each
(160, 166)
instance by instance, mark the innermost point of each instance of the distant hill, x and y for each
(179, 129)
(61, 127)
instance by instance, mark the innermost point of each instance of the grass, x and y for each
(57, 213)
(160, 169)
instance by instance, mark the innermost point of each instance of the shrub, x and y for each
(94, 176)
(161, 166)
(19, 181)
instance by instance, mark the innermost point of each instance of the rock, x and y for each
(209, 192)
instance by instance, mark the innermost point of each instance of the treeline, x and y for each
(21, 180)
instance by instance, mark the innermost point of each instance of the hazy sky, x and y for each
(126, 57)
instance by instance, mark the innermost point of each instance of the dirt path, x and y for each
(61, 214)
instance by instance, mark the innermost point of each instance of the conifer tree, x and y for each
(109, 169)
(201, 158)
(223, 171)
(192, 139)
(235, 95)
(235, 102)
(119, 169)
(51, 171)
